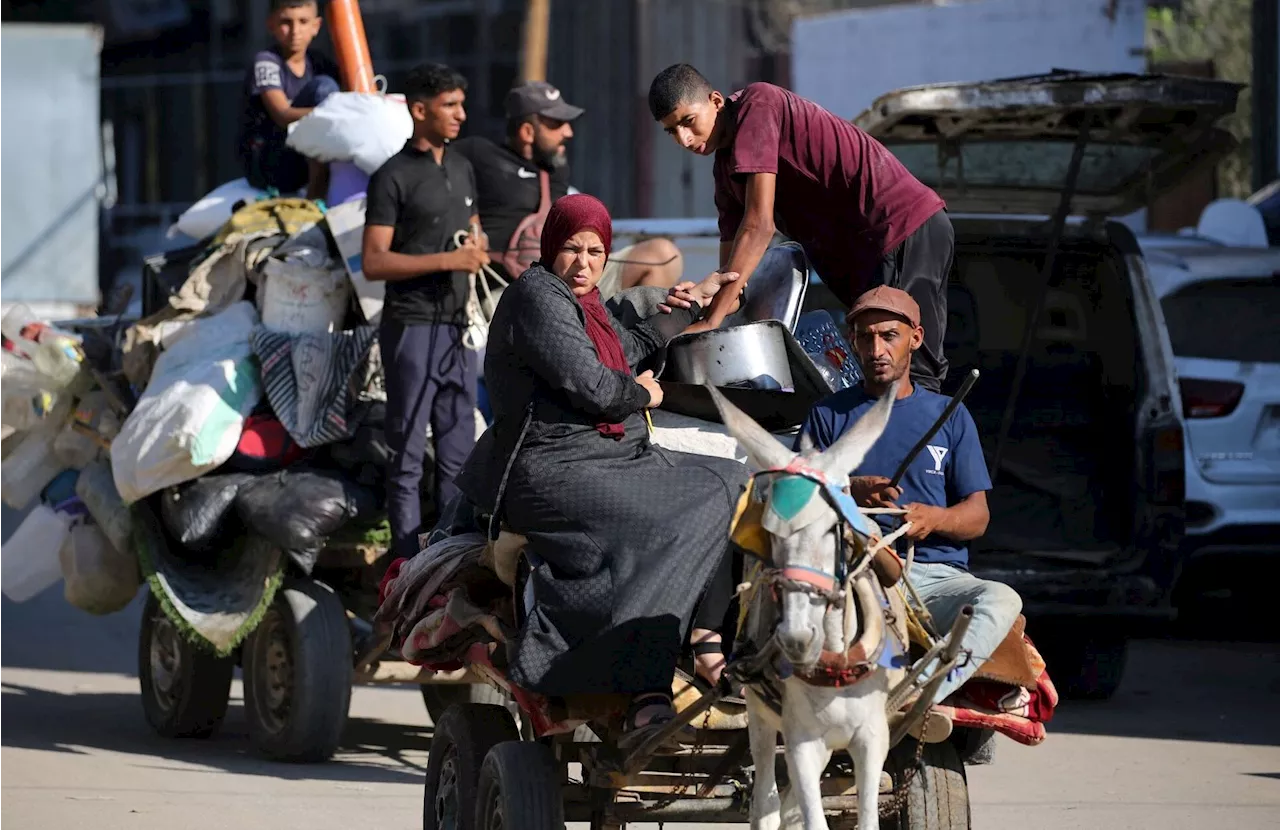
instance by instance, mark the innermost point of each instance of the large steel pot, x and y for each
(752, 356)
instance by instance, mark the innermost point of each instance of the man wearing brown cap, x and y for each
(944, 489)
(520, 178)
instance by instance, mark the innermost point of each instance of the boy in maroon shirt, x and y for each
(783, 162)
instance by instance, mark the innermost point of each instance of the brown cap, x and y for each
(883, 298)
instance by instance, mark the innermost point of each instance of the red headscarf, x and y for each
(568, 216)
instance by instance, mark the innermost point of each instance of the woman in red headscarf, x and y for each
(625, 537)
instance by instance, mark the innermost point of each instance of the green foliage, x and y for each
(1219, 31)
(354, 533)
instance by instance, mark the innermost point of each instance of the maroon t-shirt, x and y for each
(840, 193)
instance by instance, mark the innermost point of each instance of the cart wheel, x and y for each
(463, 737)
(938, 795)
(440, 697)
(184, 689)
(519, 789)
(297, 674)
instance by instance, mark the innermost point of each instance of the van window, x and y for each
(1225, 319)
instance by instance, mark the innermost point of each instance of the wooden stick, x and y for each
(937, 425)
(533, 52)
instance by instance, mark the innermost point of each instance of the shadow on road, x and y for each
(47, 633)
(371, 751)
(1187, 690)
(1173, 689)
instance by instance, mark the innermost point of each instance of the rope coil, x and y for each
(479, 313)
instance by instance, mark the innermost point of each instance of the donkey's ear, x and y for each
(847, 453)
(764, 450)
(806, 442)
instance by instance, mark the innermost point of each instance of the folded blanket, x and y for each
(411, 584)
(312, 380)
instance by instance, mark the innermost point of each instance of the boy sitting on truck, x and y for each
(284, 83)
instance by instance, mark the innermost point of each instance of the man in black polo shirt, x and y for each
(539, 122)
(416, 202)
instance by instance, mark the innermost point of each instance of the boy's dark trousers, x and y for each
(921, 266)
(431, 379)
(271, 163)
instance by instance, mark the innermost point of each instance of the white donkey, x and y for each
(805, 530)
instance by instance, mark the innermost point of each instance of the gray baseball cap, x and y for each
(539, 98)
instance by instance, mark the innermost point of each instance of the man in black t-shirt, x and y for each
(416, 202)
(539, 122)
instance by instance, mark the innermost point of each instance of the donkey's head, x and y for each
(798, 514)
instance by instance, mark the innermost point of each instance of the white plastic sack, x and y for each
(189, 420)
(683, 433)
(29, 469)
(361, 127)
(206, 216)
(97, 578)
(97, 490)
(303, 290)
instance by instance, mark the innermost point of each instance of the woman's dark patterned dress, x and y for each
(627, 533)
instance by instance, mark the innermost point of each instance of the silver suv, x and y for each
(1221, 306)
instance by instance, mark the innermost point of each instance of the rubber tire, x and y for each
(523, 780)
(319, 646)
(439, 698)
(938, 796)
(467, 731)
(1089, 667)
(204, 679)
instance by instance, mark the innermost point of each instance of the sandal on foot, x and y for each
(633, 735)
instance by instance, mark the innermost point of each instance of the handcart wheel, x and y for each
(463, 737)
(938, 795)
(297, 674)
(519, 789)
(184, 688)
(439, 697)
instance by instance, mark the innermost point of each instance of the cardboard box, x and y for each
(346, 223)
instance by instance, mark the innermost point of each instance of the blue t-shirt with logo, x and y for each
(950, 469)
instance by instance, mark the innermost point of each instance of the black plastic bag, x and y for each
(365, 456)
(298, 509)
(193, 512)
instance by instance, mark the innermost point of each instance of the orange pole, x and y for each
(346, 27)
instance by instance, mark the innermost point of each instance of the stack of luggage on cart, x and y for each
(230, 434)
(234, 431)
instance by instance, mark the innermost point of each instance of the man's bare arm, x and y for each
(317, 179)
(967, 519)
(381, 264)
(964, 521)
(755, 232)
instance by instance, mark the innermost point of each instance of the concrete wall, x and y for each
(52, 161)
(844, 60)
(603, 56)
(712, 37)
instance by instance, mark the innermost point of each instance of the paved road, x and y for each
(1191, 741)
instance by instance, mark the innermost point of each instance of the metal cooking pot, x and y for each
(750, 356)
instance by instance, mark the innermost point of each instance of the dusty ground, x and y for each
(1191, 741)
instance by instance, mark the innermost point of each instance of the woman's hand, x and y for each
(651, 386)
(685, 294)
